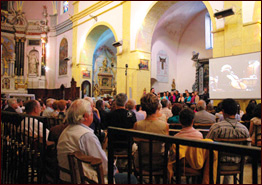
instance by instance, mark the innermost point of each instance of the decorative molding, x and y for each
(94, 7)
(140, 51)
(109, 9)
(63, 27)
(251, 23)
(218, 30)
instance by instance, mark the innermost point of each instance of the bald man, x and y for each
(202, 116)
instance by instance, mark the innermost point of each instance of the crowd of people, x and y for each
(85, 121)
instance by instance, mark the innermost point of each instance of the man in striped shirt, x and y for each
(229, 128)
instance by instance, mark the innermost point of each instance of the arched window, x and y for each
(63, 53)
(208, 32)
(65, 6)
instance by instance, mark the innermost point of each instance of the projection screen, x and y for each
(237, 77)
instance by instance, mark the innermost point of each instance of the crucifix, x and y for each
(162, 60)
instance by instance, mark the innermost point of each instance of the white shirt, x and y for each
(35, 121)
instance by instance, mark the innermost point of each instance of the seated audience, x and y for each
(20, 108)
(55, 107)
(139, 109)
(121, 117)
(210, 109)
(229, 128)
(181, 98)
(195, 98)
(100, 105)
(186, 118)
(78, 136)
(177, 107)
(256, 120)
(131, 106)
(160, 116)
(193, 107)
(12, 105)
(249, 112)
(202, 116)
(165, 110)
(49, 109)
(172, 97)
(33, 108)
(187, 98)
(62, 109)
(150, 104)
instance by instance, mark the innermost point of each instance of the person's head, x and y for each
(110, 100)
(100, 105)
(193, 107)
(229, 107)
(257, 111)
(209, 108)
(61, 105)
(130, 104)
(172, 93)
(167, 93)
(176, 92)
(12, 102)
(121, 99)
(187, 94)
(177, 107)
(55, 105)
(33, 107)
(196, 93)
(181, 95)
(219, 107)
(164, 103)
(49, 102)
(152, 90)
(250, 108)
(201, 105)
(90, 100)
(149, 103)
(253, 101)
(80, 111)
(186, 117)
(20, 102)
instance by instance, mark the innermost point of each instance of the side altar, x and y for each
(106, 81)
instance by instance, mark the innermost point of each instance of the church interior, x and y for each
(76, 49)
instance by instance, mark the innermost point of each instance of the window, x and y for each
(208, 32)
(65, 6)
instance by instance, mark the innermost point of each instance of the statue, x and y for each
(113, 90)
(96, 91)
(173, 85)
(105, 62)
(33, 63)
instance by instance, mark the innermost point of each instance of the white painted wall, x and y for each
(248, 11)
(139, 9)
(193, 39)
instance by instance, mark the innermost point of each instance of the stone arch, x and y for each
(86, 57)
(155, 12)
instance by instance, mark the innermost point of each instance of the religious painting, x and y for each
(162, 66)
(63, 53)
(143, 64)
(86, 73)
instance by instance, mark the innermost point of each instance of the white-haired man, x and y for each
(78, 136)
(202, 116)
(49, 108)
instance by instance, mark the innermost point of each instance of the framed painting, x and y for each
(86, 74)
(143, 65)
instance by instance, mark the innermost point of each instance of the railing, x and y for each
(253, 152)
(22, 148)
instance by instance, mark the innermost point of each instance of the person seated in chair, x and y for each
(202, 116)
(256, 120)
(77, 136)
(186, 118)
(229, 128)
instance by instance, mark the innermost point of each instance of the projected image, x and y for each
(229, 78)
